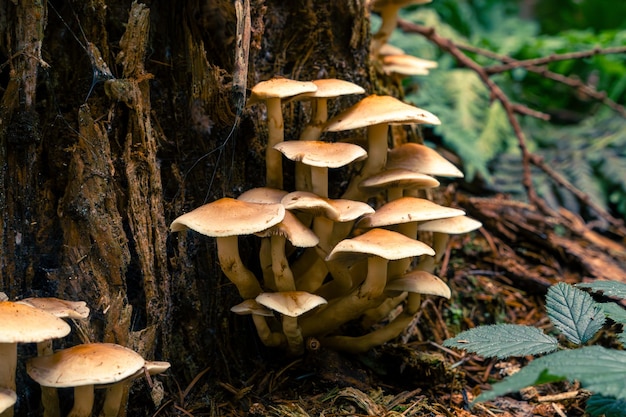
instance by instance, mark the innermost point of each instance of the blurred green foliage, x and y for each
(585, 141)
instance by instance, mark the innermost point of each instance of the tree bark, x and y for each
(115, 118)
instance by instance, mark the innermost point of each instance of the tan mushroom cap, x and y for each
(59, 308)
(379, 242)
(321, 154)
(379, 4)
(420, 282)
(263, 195)
(451, 226)
(230, 217)
(293, 230)
(88, 364)
(22, 323)
(251, 306)
(400, 178)
(388, 49)
(290, 303)
(407, 65)
(405, 210)
(421, 158)
(339, 210)
(333, 87)
(377, 109)
(7, 399)
(279, 88)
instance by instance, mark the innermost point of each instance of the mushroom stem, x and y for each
(375, 162)
(293, 333)
(374, 315)
(400, 266)
(313, 130)
(283, 277)
(389, 21)
(267, 336)
(8, 366)
(319, 181)
(234, 269)
(440, 242)
(276, 134)
(376, 278)
(83, 401)
(113, 399)
(314, 270)
(361, 344)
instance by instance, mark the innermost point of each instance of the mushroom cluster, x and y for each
(40, 320)
(327, 259)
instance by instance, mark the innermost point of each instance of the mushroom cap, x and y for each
(380, 4)
(251, 306)
(407, 65)
(290, 303)
(421, 158)
(338, 210)
(321, 154)
(375, 109)
(59, 308)
(379, 242)
(3, 296)
(7, 399)
(389, 49)
(401, 178)
(230, 217)
(333, 87)
(451, 226)
(420, 282)
(23, 323)
(279, 88)
(405, 210)
(293, 230)
(263, 195)
(88, 364)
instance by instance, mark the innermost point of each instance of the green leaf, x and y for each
(614, 311)
(609, 407)
(598, 369)
(608, 288)
(504, 340)
(573, 312)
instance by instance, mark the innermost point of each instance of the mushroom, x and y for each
(378, 246)
(320, 156)
(83, 367)
(406, 212)
(395, 181)
(258, 313)
(272, 91)
(226, 219)
(442, 229)
(406, 65)
(418, 282)
(23, 323)
(422, 159)
(376, 113)
(291, 305)
(388, 10)
(63, 309)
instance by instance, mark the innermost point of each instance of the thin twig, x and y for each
(496, 93)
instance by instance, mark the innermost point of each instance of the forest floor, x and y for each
(499, 274)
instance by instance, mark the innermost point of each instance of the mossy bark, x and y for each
(114, 119)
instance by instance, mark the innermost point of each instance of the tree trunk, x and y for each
(115, 118)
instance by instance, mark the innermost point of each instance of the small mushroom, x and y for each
(259, 313)
(272, 92)
(418, 282)
(83, 367)
(376, 113)
(406, 65)
(320, 156)
(23, 323)
(388, 10)
(395, 181)
(291, 305)
(226, 219)
(422, 159)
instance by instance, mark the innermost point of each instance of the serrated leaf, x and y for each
(600, 370)
(503, 341)
(614, 311)
(608, 288)
(609, 407)
(573, 312)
